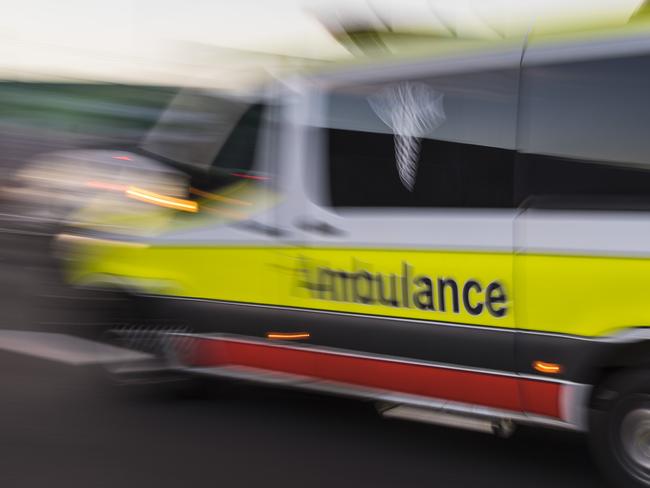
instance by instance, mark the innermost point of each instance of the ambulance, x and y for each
(461, 235)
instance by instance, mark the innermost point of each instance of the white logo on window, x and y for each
(411, 110)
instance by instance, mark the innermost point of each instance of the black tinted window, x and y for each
(236, 157)
(454, 134)
(585, 132)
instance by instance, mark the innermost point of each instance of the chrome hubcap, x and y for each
(635, 437)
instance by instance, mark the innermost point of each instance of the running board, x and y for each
(499, 427)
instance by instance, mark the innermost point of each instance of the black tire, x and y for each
(619, 428)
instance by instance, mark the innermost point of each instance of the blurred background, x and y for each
(88, 74)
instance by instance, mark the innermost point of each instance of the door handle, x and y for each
(319, 227)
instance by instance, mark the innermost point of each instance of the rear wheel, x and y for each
(620, 428)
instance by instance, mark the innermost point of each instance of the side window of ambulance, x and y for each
(238, 150)
(585, 133)
(237, 155)
(445, 141)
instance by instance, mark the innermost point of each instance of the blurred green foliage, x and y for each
(105, 110)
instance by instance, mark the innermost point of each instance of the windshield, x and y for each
(194, 127)
(212, 138)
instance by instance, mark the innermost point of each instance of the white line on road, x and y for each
(65, 348)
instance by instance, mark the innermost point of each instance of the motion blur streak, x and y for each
(78, 239)
(251, 177)
(162, 200)
(229, 214)
(65, 348)
(219, 198)
(105, 185)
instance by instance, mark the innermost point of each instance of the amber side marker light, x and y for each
(548, 368)
(288, 336)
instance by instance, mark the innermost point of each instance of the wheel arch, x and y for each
(630, 352)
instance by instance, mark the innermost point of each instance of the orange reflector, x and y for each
(161, 200)
(548, 368)
(288, 336)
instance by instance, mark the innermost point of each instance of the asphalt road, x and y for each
(64, 426)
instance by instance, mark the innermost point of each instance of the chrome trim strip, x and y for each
(440, 418)
(574, 405)
(547, 379)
